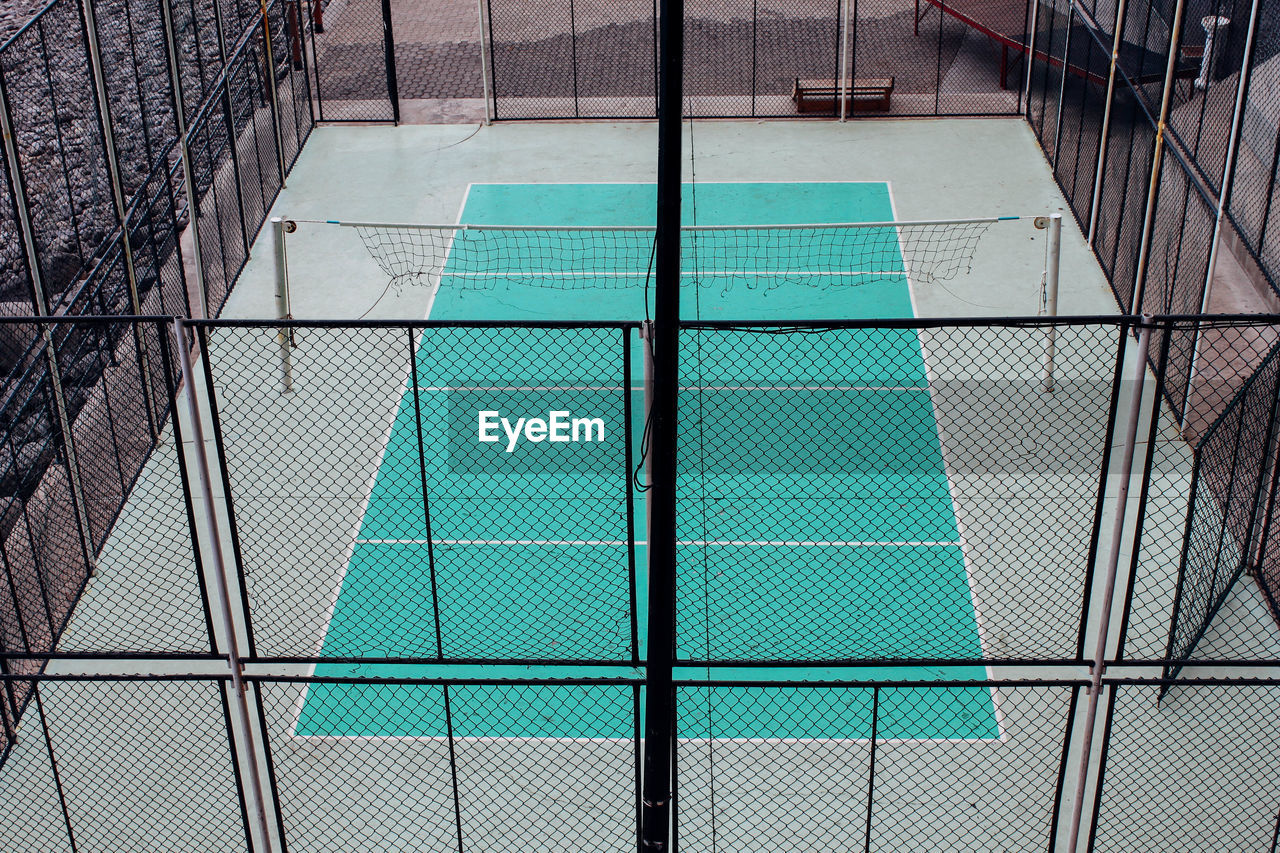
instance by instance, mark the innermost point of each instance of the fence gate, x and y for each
(348, 48)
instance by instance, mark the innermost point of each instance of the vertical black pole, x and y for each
(662, 526)
(389, 60)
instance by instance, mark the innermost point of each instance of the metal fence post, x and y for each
(1224, 194)
(250, 737)
(1121, 11)
(1062, 86)
(1098, 664)
(1031, 55)
(184, 148)
(272, 90)
(389, 58)
(1157, 158)
(40, 302)
(485, 48)
(842, 90)
(233, 133)
(117, 192)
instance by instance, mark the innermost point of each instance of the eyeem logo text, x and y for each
(558, 426)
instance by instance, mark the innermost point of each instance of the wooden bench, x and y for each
(864, 94)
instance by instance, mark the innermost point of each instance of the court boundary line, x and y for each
(764, 543)
(905, 273)
(946, 469)
(349, 549)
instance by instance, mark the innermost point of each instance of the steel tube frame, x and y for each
(256, 794)
(184, 150)
(485, 48)
(842, 89)
(1098, 665)
(659, 743)
(1224, 194)
(40, 300)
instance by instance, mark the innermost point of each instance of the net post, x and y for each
(1052, 264)
(284, 336)
(1098, 663)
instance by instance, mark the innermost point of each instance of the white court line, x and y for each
(886, 388)
(834, 543)
(638, 274)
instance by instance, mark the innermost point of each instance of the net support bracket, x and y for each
(1097, 666)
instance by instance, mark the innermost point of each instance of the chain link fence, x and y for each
(314, 601)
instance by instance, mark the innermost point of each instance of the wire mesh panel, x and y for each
(147, 592)
(144, 764)
(1122, 207)
(158, 269)
(218, 212)
(828, 474)
(1048, 70)
(52, 102)
(444, 765)
(881, 767)
(1144, 53)
(288, 63)
(1202, 116)
(532, 57)
(434, 522)
(139, 92)
(783, 767)
(45, 557)
(199, 51)
(615, 58)
(1177, 268)
(353, 70)
(1251, 204)
(1195, 771)
(257, 158)
(576, 745)
(31, 817)
(1218, 613)
(1080, 125)
(743, 57)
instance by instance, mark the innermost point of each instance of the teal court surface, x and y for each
(526, 551)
